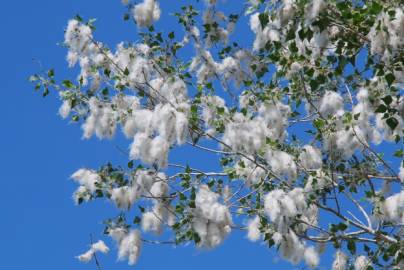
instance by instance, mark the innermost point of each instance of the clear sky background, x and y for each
(40, 226)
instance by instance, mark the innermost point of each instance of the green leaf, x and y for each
(392, 13)
(75, 118)
(78, 18)
(51, 73)
(389, 78)
(99, 193)
(293, 48)
(211, 183)
(290, 35)
(375, 8)
(351, 246)
(387, 100)
(381, 109)
(399, 153)
(105, 91)
(220, 110)
(194, 108)
(107, 72)
(319, 123)
(182, 197)
(136, 220)
(171, 35)
(264, 19)
(126, 72)
(392, 122)
(45, 92)
(314, 84)
(192, 204)
(322, 23)
(196, 237)
(342, 226)
(68, 84)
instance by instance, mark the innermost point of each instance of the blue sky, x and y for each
(41, 228)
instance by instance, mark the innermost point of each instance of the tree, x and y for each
(307, 124)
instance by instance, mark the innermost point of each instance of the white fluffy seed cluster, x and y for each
(294, 250)
(366, 126)
(310, 158)
(99, 246)
(212, 220)
(282, 164)
(160, 214)
(279, 25)
(100, 121)
(317, 180)
(129, 244)
(272, 31)
(282, 208)
(340, 261)
(211, 16)
(387, 33)
(332, 104)
(143, 183)
(393, 208)
(249, 171)
(253, 229)
(210, 105)
(82, 49)
(249, 135)
(153, 130)
(234, 68)
(313, 10)
(146, 13)
(87, 180)
(362, 262)
(401, 173)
